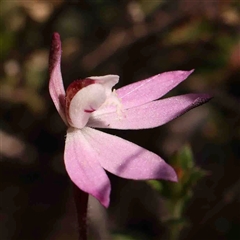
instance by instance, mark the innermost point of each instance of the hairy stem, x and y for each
(81, 201)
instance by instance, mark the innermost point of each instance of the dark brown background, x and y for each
(134, 39)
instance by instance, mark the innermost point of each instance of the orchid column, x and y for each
(91, 103)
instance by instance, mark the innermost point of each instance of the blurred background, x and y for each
(134, 39)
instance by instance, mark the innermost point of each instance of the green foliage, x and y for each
(177, 195)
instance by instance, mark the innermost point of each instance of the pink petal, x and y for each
(126, 159)
(83, 167)
(150, 89)
(151, 114)
(56, 87)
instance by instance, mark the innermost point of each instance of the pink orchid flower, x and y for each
(90, 103)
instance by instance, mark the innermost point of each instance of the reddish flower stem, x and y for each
(81, 201)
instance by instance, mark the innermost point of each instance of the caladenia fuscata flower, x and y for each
(92, 103)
